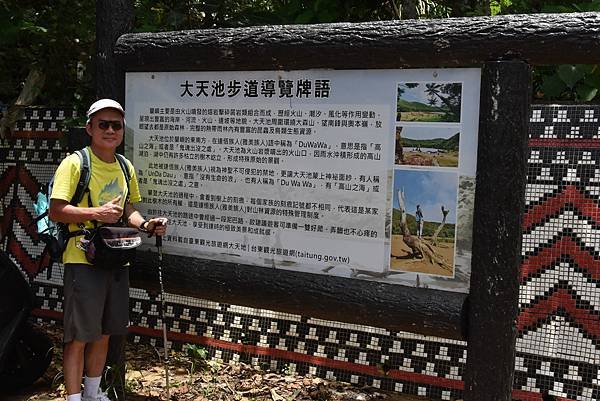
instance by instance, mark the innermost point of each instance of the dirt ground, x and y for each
(194, 378)
(401, 259)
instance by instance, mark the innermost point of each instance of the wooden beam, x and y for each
(538, 39)
(389, 306)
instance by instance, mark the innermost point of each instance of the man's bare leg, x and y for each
(73, 355)
(95, 357)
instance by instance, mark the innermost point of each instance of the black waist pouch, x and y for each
(113, 247)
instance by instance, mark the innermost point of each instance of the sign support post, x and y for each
(502, 150)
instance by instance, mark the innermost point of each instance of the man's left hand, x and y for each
(157, 226)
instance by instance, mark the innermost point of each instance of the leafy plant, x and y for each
(559, 82)
(567, 82)
(195, 352)
(198, 356)
(112, 380)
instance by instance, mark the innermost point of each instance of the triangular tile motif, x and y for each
(554, 338)
(29, 157)
(565, 275)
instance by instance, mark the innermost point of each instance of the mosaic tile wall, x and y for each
(558, 353)
(558, 349)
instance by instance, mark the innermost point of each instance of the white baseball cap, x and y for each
(103, 104)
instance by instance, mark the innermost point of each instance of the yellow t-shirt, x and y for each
(107, 181)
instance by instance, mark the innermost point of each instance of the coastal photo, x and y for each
(424, 222)
(431, 102)
(427, 145)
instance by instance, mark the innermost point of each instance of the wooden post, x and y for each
(501, 170)
(113, 19)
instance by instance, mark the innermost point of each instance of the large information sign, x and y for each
(367, 174)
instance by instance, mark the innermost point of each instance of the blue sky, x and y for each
(414, 94)
(430, 189)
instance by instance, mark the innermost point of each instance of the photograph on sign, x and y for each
(296, 170)
(427, 145)
(424, 222)
(438, 102)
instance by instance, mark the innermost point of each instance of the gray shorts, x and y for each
(96, 302)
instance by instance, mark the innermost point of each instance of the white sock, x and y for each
(90, 386)
(74, 397)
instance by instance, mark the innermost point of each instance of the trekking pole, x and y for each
(162, 310)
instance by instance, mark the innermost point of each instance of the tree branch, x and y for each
(34, 83)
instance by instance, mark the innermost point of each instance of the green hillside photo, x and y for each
(429, 102)
(404, 105)
(438, 143)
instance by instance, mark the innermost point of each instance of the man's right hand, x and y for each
(111, 211)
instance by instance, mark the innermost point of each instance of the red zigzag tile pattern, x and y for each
(17, 214)
(565, 247)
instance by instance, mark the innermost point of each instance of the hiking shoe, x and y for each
(101, 396)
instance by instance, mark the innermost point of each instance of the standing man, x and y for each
(419, 218)
(96, 299)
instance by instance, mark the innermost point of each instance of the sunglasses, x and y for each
(116, 125)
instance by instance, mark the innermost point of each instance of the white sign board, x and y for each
(301, 170)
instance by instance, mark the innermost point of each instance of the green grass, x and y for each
(448, 159)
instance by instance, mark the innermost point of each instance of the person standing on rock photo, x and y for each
(419, 218)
